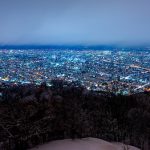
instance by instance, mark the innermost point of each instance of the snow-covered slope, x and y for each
(83, 144)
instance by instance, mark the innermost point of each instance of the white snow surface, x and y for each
(83, 144)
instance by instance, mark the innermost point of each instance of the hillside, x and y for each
(31, 115)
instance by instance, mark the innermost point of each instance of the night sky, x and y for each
(89, 22)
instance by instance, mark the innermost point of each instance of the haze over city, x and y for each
(69, 22)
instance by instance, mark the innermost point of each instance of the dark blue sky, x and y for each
(74, 22)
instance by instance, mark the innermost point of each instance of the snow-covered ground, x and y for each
(83, 144)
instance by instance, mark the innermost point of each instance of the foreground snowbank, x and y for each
(83, 144)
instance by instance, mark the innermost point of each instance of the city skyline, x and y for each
(120, 71)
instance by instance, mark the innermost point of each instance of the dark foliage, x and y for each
(31, 115)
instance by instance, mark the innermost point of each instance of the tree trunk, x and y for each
(146, 144)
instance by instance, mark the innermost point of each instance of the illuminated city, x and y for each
(121, 72)
(74, 74)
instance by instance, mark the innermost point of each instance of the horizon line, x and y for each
(73, 46)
